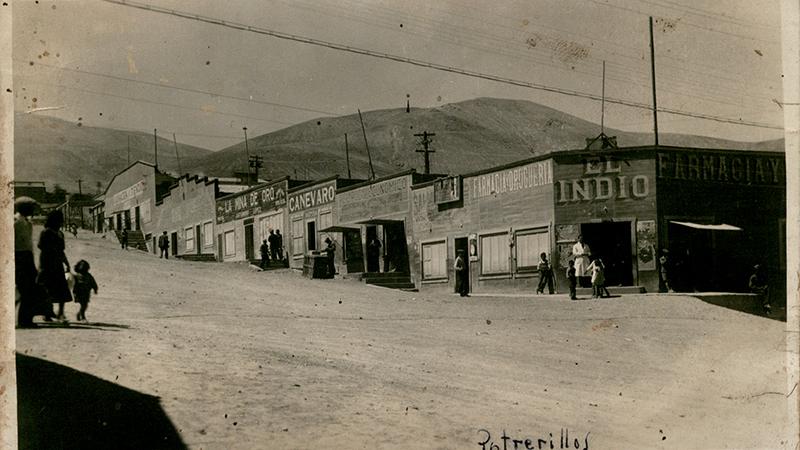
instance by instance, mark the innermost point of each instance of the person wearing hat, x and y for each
(462, 286)
(330, 250)
(24, 267)
(759, 285)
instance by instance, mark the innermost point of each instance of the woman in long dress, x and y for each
(53, 262)
(581, 253)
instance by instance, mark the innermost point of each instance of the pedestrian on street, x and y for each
(545, 275)
(279, 244)
(665, 271)
(24, 267)
(330, 250)
(124, 239)
(581, 252)
(264, 249)
(573, 280)
(597, 270)
(759, 285)
(53, 262)
(84, 285)
(163, 245)
(462, 286)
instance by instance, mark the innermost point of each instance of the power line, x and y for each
(179, 88)
(421, 63)
(88, 91)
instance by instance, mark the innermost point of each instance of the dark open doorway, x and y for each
(374, 249)
(353, 251)
(311, 235)
(198, 239)
(248, 242)
(395, 247)
(461, 244)
(611, 241)
(174, 243)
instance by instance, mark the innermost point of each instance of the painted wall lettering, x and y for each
(317, 196)
(510, 180)
(252, 202)
(722, 168)
(602, 180)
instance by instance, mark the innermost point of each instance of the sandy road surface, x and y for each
(241, 359)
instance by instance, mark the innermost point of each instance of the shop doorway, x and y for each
(311, 235)
(138, 216)
(707, 260)
(461, 244)
(374, 249)
(611, 242)
(248, 242)
(396, 250)
(353, 251)
(173, 241)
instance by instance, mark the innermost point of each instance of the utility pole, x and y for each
(425, 142)
(347, 155)
(155, 143)
(247, 152)
(80, 192)
(129, 150)
(177, 156)
(369, 157)
(653, 76)
(255, 163)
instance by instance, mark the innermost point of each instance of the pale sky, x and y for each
(120, 67)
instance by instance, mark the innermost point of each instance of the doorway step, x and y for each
(203, 257)
(135, 239)
(613, 290)
(392, 280)
(271, 264)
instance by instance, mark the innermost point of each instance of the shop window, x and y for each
(325, 220)
(189, 233)
(297, 237)
(494, 254)
(529, 244)
(230, 243)
(208, 234)
(434, 260)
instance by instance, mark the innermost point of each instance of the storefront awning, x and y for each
(720, 227)
(338, 229)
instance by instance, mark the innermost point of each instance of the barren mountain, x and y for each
(470, 135)
(61, 152)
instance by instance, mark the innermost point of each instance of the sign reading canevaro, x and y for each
(317, 196)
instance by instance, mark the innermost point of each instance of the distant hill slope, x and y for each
(61, 152)
(470, 135)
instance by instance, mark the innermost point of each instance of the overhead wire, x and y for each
(420, 63)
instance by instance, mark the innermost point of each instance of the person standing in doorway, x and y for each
(279, 244)
(598, 271)
(163, 244)
(759, 285)
(581, 252)
(24, 267)
(460, 265)
(53, 262)
(272, 240)
(665, 271)
(124, 239)
(264, 250)
(373, 255)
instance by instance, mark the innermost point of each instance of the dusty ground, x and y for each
(241, 359)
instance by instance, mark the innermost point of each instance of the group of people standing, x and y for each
(271, 247)
(40, 289)
(581, 271)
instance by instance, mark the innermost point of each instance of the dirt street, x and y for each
(239, 359)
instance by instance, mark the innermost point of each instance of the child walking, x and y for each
(598, 279)
(573, 280)
(84, 285)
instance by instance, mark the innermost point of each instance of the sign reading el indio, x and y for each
(603, 180)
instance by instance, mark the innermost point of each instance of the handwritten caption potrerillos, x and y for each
(506, 442)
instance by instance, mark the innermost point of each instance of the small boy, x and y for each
(84, 285)
(545, 275)
(573, 280)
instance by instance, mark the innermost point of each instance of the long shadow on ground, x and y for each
(62, 408)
